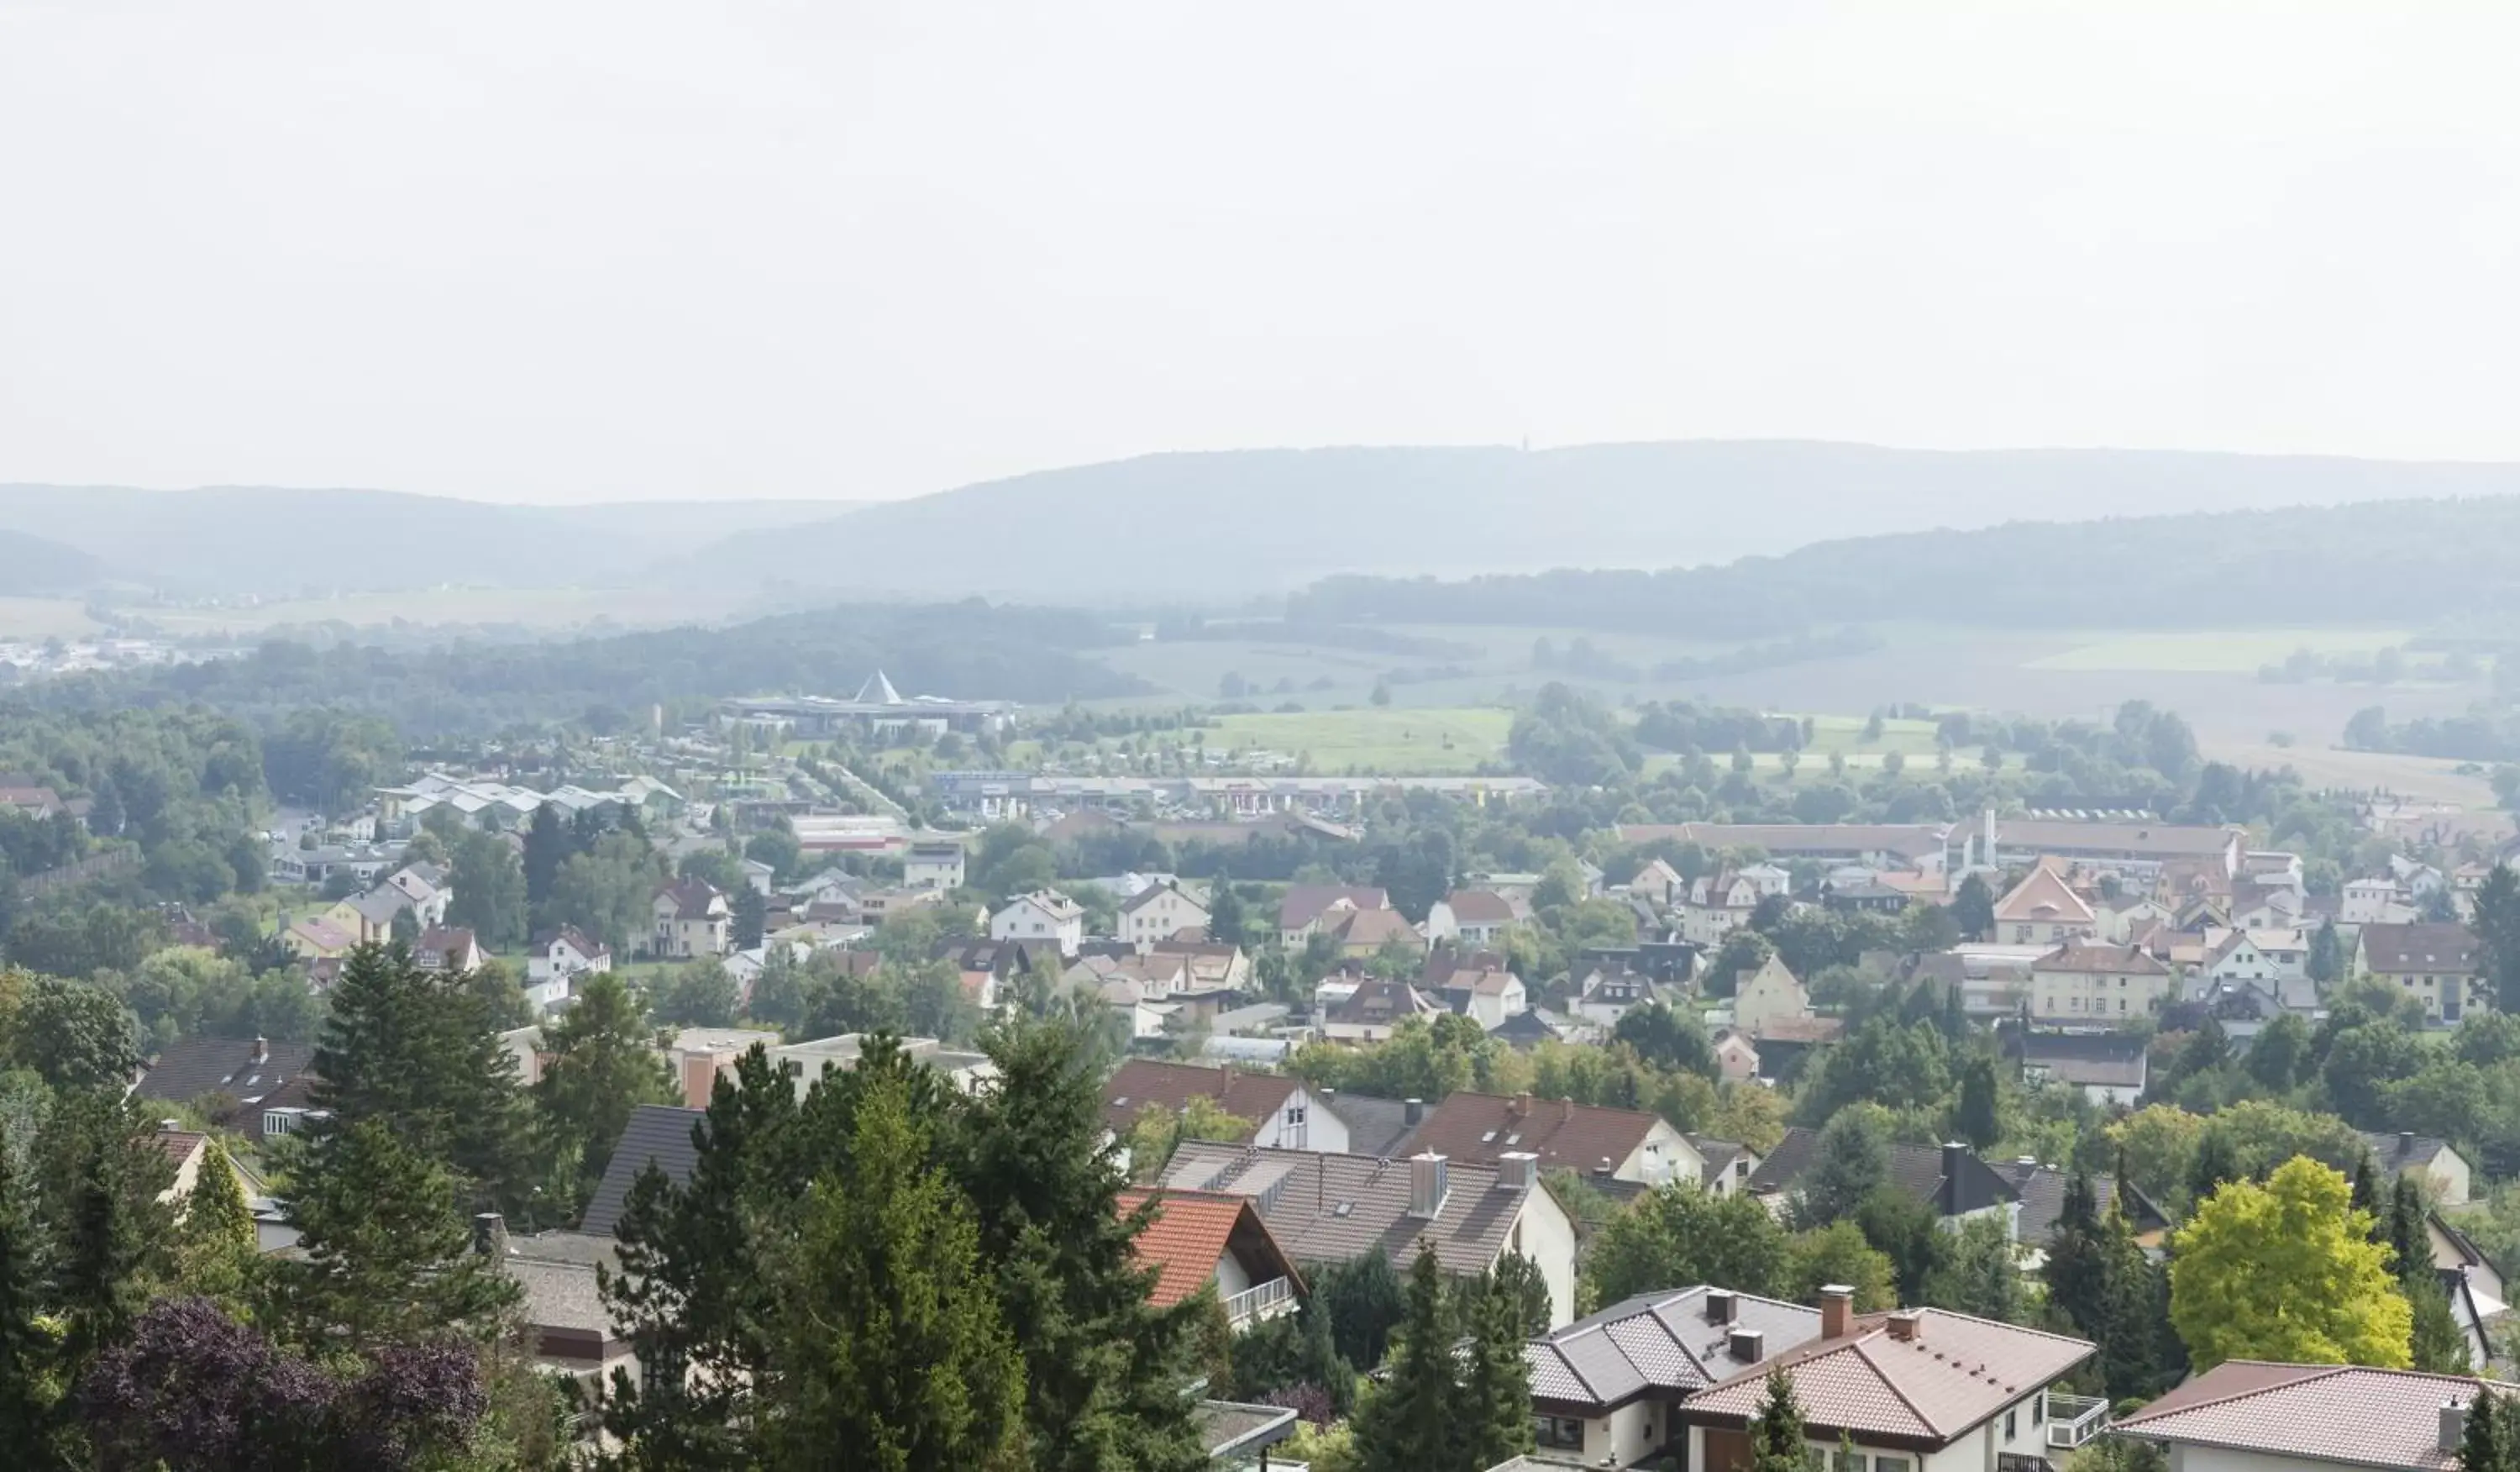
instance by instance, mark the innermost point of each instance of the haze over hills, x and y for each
(275, 541)
(1241, 523)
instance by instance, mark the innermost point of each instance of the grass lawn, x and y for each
(45, 619)
(2215, 651)
(1395, 741)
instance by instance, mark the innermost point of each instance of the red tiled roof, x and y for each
(1145, 1082)
(1190, 1234)
(2043, 898)
(1305, 903)
(2324, 1413)
(177, 1145)
(1956, 1371)
(2101, 960)
(1480, 907)
(1483, 1128)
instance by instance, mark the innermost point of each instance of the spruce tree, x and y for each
(2436, 1342)
(888, 1340)
(110, 1232)
(386, 1257)
(1494, 1410)
(217, 1247)
(1776, 1435)
(1408, 1422)
(1105, 1369)
(602, 1065)
(2077, 1270)
(29, 1383)
(2216, 1165)
(1978, 1116)
(2487, 1445)
(2132, 1323)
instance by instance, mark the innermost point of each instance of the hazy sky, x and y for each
(567, 252)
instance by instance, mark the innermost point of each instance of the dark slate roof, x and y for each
(659, 1132)
(2402, 1152)
(1377, 1129)
(1668, 1341)
(2109, 1060)
(2426, 946)
(2042, 1200)
(197, 1066)
(1917, 1170)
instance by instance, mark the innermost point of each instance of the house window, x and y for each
(2039, 1408)
(2011, 1422)
(1892, 1464)
(1563, 1433)
(1847, 1461)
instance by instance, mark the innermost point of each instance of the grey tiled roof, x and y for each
(2042, 1201)
(195, 1066)
(658, 1132)
(1663, 1341)
(1917, 1170)
(1376, 1128)
(1339, 1208)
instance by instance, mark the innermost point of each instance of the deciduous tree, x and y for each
(2286, 1272)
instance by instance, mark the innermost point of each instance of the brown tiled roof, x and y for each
(2426, 946)
(2101, 960)
(1804, 1029)
(1191, 1232)
(1304, 902)
(1375, 928)
(2317, 1413)
(1480, 907)
(1483, 1128)
(2043, 898)
(1377, 1002)
(1142, 1083)
(177, 1145)
(1955, 1373)
(692, 897)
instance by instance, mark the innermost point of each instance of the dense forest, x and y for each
(969, 650)
(2423, 562)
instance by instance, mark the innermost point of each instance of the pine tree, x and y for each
(111, 1232)
(387, 1260)
(2435, 1342)
(1226, 915)
(751, 916)
(2366, 1188)
(888, 1340)
(602, 1066)
(1978, 1116)
(2487, 1445)
(548, 846)
(2077, 1270)
(1973, 906)
(218, 1248)
(1776, 1435)
(1407, 1423)
(2132, 1323)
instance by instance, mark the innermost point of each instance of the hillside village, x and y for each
(1662, 1121)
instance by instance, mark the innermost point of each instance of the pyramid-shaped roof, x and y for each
(878, 691)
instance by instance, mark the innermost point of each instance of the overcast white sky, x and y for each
(567, 251)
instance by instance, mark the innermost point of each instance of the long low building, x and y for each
(1006, 793)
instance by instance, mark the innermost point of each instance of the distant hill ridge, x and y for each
(1214, 527)
(279, 540)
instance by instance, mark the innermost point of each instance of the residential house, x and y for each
(2109, 1068)
(1306, 907)
(1869, 898)
(1363, 934)
(1605, 1390)
(693, 919)
(807, 1062)
(1919, 1390)
(369, 916)
(424, 886)
(1198, 1240)
(2042, 1188)
(1339, 1208)
(2477, 1299)
(1478, 986)
(560, 1307)
(1377, 1129)
(2135, 848)
(1531, 1027)
(234, 1080)
(2094, 982)
(1282, 1113)
(2445, 1174)
(1613, 1144)
(2245, 1415)
(557, 959)
(1950, 1178)
(1657, 881)
(2434, 962)
(1158, 912)
(1609, 992)
(183, 1150)
(1473, 918)
(2258, 955)
(2377, 900)
(318, 940)
(1370, 1012)
(1736, 1057)
(1214, 965)
(1042, 915)
(658, 1134)
(1717, 905)
(447, 948)
(1767, 996)
(933, 866)
(2044, 910)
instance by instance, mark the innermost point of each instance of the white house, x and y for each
(2044, 910)
(426, 885)
(933, 866)
(1160, 912)
(1280, 1113)
(2259, 955)
(2247, 1415)
(1475, 918)
(1042, 915)
(557, 959)
(2373, 902)
(693, 919)
(2096, 982)
(1767, 996)
(1716, 905)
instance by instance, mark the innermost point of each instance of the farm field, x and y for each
(45, 619)
(2215, 651)
(1412, 742)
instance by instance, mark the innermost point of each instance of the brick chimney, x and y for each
(1836, 1311)
(699, 1079)
(1430, 1182)
(1518, 1107)
(1908, 1325)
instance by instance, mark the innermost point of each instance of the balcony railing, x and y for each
(2073, 1420)
(1267, 1301)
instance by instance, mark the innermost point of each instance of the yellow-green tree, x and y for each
(1157, 1132)
(2286, 1272)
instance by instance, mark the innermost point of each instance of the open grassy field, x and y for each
(2214, 651)
(45, 619)
(1402, 742)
